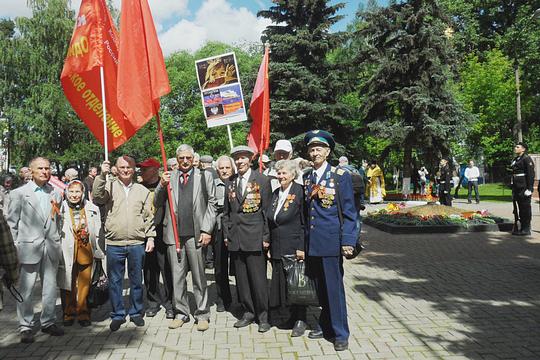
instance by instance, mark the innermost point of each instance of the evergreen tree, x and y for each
(407, 97)
(304, 83)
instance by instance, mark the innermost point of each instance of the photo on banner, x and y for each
(221, 91)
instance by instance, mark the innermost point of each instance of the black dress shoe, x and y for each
(169, 314)
(137, 320)
(53, 330)
(341, 345)
(220, 308)
(115, 324)
(68, 322)
(152, 312)
(299, 329)
(85, 323)
(264, 327)
(243, 323)
(27, 337)
(316, 334)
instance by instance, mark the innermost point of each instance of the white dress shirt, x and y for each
(319, 173)
(281, 199)
(245, 179)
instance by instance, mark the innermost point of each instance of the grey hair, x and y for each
(228, 158)
(185, 147)
(196, 156)
(131, 161)
(289, 165)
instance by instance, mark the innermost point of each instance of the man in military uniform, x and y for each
(331, 233)
(522, 188)
(445, 198)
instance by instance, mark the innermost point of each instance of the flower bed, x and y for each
(397, 218)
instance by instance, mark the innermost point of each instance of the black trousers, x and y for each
(473, 185)
(445, 199)
(221, 269)
(251, 282)
(157, 263)
(524, 206)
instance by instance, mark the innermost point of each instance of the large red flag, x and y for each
(142, 77)
(259, 134)
(94, 46)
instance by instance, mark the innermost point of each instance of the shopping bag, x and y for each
(300, 287)
(99, 288)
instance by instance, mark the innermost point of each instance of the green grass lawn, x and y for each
(488, 192)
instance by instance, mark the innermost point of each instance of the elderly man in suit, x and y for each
(34, 219)
(247, 236)
(332, 232)
(195, 211)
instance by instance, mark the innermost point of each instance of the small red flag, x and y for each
(94, 45)
(259, 108)
(142, 77)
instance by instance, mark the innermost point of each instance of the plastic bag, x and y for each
(300, 287)
(99, 288)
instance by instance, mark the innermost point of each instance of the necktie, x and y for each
(314, 177)
(240, 185)
(185, 178)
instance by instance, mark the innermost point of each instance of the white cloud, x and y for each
(14, 8)
(216, 20)
(166, 9)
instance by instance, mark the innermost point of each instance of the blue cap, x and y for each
(319, 137)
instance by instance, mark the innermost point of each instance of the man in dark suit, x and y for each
(247, 236)
(332, 233)
(194, 206)
(445, 198)
(522, 189)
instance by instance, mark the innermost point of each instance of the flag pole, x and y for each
(105, 135)
(230, 135)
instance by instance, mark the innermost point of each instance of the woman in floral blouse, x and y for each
(80, 233)
(285, 219)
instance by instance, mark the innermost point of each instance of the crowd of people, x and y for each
(304, 210)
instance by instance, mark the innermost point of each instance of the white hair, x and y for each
(289, 165)
(196, 156)
(185, 147)
(227, 158)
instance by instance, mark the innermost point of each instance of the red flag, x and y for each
(142, 77)
(94, 45)
(259, 134)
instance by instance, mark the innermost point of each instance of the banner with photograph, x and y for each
(221, 91)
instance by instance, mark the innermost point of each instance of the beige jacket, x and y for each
(130, 220)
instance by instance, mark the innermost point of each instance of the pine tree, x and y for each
(304, 83)
(407, 97)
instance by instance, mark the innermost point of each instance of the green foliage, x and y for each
(407, 94)
(304, 84)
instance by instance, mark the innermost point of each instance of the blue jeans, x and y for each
(116, 267)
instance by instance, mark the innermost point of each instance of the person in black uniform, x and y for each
(285, 219)
(445, 198)
(522, 188)
(245, 228)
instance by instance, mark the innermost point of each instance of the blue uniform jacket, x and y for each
(325, 233)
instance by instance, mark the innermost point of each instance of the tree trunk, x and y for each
(407, 156)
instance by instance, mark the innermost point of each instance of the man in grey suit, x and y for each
(34, 219)
(195, 211)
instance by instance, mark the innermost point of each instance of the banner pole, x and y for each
(230, 136)
(105, 135)
(169, 191)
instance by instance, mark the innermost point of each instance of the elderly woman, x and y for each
(285, 220)
(80, 231)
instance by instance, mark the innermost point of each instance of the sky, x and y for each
(189, 24)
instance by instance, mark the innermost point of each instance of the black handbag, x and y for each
(300, 287)
(99, 288)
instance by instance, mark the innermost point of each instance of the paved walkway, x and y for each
(459, 296)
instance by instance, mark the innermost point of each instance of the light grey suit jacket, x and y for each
(32, 229)
(204, 211)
